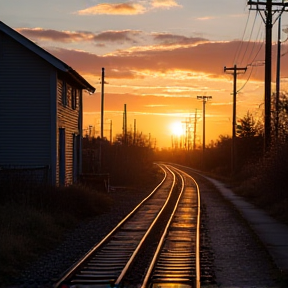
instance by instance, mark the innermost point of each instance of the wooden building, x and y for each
(40, 110)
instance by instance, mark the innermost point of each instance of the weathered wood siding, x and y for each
(25, 116)
(68, 118)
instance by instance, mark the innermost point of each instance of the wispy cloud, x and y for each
(40, 34)
(128, 8)
(205, 18)
(179, 56)
(203, 61)
(164, 3)
(135, 37)
(171, 39)
(54, 35)
(118, 36)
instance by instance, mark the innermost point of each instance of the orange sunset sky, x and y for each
(158, 55)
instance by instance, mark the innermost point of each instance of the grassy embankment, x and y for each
(265, 183)
(34, 219)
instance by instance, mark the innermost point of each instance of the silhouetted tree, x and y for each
(282, 117)
(248, 127)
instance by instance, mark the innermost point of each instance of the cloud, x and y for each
(118, 36)
(206, 18)
(54, 35)
(164, 3)
(128, 8)
(205, 60)
(166, 55)
(114, 9)
(171, 39)
(40, 34)
(134, 40)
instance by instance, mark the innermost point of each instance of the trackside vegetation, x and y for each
(34, 218)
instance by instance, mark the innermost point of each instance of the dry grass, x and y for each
(35, 219)
(265, 183)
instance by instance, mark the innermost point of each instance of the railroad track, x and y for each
(176, 259)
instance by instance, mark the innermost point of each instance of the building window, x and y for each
(64, 93)
(69, 95)
(74, 98)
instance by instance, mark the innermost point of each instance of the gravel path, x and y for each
(240, 260)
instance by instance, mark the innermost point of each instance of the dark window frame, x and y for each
(64, 93)
(74, 98)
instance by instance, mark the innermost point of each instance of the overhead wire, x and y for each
(256, 42)
(242, 40)
(249, 41)
(245, 81)
(252, 52)
(252, 66)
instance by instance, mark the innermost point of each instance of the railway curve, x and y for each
(114, 258)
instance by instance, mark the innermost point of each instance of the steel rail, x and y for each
(90, 252)
(152, 265)
(160, 244)
(198, 272)
(68, 274)
(124, 271)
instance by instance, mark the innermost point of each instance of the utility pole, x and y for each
(125, 124)
(278, 79)
(187, 140)
(233, 154)
(102, 102)
(269, 7)
(102, 120)
(134, 134)
(111, 131)
(204, 100)
(195, 125)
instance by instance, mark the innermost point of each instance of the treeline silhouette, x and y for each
(127, 160)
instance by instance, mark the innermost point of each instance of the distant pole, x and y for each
(204, 100)
(125, 124)
(233, 154)
(187, 123)
(149, 140)
(111, 131)
(195, 125)
(134, 136)
(102, 103)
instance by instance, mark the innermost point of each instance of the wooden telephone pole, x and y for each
(204, 100)
(269, 8)
(234, 70)
(102, 102)
(195, 126)
(124, 128)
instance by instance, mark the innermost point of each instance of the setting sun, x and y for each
(177, 129)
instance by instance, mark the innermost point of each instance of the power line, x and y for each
(242, 40)
(247, 44)
(269, 8)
